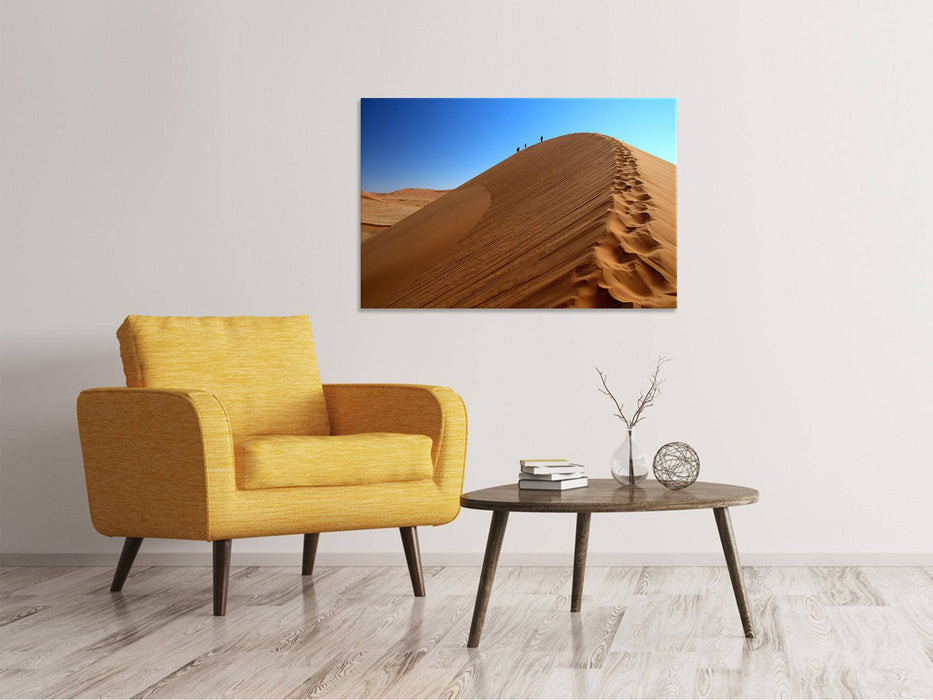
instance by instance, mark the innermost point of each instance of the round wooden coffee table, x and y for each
(603, 496)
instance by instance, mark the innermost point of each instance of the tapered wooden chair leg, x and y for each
(308, 553)
(221, 575)
(127, 557)
(413, 557)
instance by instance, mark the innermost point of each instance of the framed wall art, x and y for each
(518, 203)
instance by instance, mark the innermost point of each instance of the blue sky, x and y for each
(442, 143)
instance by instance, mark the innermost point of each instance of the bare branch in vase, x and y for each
(654, 390)
(605, 390)
(645, 400)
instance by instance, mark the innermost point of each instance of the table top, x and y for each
(609, 496)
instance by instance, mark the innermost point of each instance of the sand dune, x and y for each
(581, 220)
(380, 210)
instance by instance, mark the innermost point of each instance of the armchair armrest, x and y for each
(435, 411)
(148, 457)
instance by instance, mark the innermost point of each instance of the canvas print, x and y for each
(518, 203)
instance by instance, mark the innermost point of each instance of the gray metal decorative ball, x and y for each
(676, 465)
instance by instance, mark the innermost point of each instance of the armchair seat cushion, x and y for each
(280, 461)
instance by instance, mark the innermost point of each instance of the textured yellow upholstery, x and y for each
(263, 370)
(160, 460)
(335, 460)
(435, 411)
(147, 456)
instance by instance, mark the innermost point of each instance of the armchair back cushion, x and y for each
(262, 369)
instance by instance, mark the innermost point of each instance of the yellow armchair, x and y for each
(253, 445)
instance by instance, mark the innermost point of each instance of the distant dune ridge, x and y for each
(380, 210)
(581, 220)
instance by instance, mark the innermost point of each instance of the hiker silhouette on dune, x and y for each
(541, 140)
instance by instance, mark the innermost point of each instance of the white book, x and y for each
(549, 477)
(554, 485)
(566, 469)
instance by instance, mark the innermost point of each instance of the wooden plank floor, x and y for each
(358, 632)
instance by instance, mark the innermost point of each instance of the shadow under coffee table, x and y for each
(603, 496)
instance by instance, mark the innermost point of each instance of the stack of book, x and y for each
(551, 475)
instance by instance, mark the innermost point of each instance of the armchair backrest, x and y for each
(263, 369)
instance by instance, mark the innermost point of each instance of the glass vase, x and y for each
(629, 461)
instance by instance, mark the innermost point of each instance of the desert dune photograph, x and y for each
(518, 203)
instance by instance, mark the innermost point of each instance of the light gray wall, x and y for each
(198, 158)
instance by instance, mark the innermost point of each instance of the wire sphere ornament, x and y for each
(676, 465)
